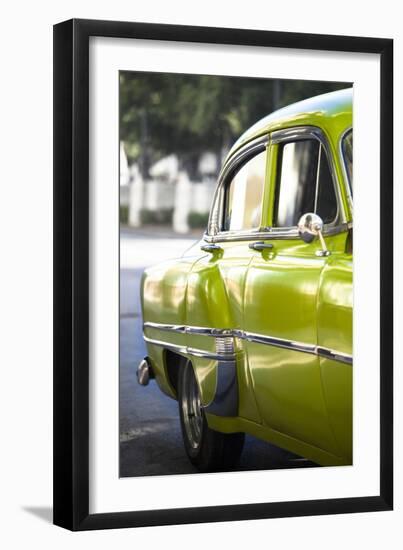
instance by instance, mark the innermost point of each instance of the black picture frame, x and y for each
(71, 274)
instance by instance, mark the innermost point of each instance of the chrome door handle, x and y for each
(210, 247)
(260, 245)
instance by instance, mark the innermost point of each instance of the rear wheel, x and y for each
(207, 449)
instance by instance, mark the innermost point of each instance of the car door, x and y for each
(281, 291)
(216, 285)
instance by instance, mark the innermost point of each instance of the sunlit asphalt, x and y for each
(150, 437)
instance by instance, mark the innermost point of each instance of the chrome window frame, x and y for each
(347, 183)
(239, 159)
(214, 234)
(312, 132)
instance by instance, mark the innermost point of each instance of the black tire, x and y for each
(208, 450)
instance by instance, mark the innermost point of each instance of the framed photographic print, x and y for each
(222, 344)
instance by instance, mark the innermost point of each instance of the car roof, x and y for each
(332, 112)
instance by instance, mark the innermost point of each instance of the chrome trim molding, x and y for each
(276, 342)
(225, 344)
(209, 331)
(327, 353)
(223, 357)
(239, 157)
(229, 355)
(188, 329)
(348, 183)
(271, 234)
(161, 326)
(296, 133)
(314, 132)
(249, 150)
(334, 355)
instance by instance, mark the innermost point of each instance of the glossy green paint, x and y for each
(335, 331)
(287, 383)
(297, 400)
(215, 294)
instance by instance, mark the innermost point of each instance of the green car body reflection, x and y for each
(251, 330)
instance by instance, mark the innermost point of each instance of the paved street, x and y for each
(150, 437)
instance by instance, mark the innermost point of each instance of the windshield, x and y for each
(347, 148)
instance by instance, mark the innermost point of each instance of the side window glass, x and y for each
(244, 195)
(296, 179)
(348, 157)
(304, 183)
(326, 202)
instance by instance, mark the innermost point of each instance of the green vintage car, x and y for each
(251, 329)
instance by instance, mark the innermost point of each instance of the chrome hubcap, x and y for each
(191, 408)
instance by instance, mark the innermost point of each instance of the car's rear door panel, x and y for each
(281, 305)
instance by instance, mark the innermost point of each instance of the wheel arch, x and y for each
(173, 363)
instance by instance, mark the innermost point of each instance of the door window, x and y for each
(347, 147)
(244, 195)
(304, 183)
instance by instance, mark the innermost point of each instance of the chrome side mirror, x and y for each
(310, 226)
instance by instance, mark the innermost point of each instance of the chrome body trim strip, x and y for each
(320, 351)
(170, 328)
(189, 330)
(209, 331)
(223, 357)
(327, 353)
(277, 342)
(334, 355)
(271, 234)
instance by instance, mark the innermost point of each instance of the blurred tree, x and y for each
(163, 113)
